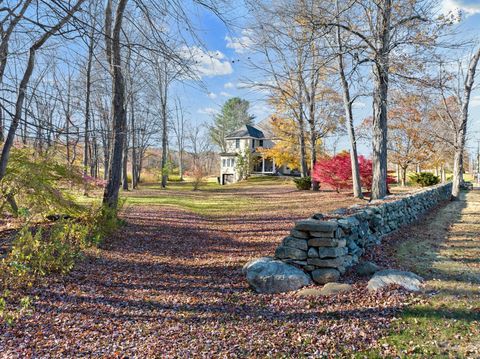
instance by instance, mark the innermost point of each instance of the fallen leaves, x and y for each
(169, 284)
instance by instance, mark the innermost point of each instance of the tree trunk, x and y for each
(139, 168)
(88, 86)
(404, 176)
(110, 195)
(25, 129)
(457, 172)
(380, 99)
(311, 112)
(2, 123)
(67, 139)
(164, 140)
(347, 104)
(125, 163)
(301, 125)
(180, 164)
(462, 133)
(313, 161)
(134, 150)
(303, 160)
(379, 145)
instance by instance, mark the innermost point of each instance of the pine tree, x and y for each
(233, 115)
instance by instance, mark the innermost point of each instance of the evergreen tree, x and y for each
(233, 115)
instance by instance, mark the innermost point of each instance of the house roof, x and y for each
(246, 131)
(266, 127)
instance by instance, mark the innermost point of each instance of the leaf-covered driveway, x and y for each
(169, 284)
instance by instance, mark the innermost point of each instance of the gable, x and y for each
(246, 131)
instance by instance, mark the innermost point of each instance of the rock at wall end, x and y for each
(268, 275)
(384, 278)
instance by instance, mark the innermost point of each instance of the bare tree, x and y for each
(348, 103)
(113, 50)
(25, 80)
(384, 29)
(91, 41)
(178, 126)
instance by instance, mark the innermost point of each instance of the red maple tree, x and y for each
(336, 172)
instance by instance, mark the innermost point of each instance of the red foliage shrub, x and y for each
(336, 172)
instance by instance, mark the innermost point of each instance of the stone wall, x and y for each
(325, 245)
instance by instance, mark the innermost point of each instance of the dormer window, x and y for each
(237, 143)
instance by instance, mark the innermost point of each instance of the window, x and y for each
(253, 143)
(233, 162)
(237, 143)
(224, 163)
(260, 143)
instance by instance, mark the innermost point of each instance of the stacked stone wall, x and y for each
(325, 245)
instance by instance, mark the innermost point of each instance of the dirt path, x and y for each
(169, 284)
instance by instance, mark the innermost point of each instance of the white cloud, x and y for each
(359, 104)
(240, 44)
(207, 63)
(207, 111)
(225, 94)
(212, 95)
(468, 7)
(229, 85)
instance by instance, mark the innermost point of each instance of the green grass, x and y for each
(445, 322)
(210, 200)
(204, 205)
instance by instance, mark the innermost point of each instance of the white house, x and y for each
(247, 139)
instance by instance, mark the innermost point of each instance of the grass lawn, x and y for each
(257, 194)
(445, 321)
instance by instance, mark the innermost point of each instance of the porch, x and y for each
(264, 166)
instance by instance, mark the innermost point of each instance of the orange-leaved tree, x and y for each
(409, 139)
(286, 151)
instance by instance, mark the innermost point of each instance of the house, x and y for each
(247, 142)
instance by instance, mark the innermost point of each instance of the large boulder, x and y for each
(268, 275)
(384, 278)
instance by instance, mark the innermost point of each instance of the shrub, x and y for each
(38, 252)
(198, 175)
(336, 172)
(244, 163)
(303, 183)
(36, 185)
(424, 179)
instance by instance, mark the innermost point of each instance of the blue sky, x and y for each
(222, 67)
